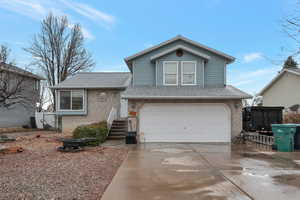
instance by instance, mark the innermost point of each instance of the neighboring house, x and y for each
(175, 91)
(22, 103)
(283, 90)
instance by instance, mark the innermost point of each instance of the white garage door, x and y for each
(178, 122)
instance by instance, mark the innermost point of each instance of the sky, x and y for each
(251, 31)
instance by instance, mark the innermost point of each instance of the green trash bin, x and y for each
(284, 136)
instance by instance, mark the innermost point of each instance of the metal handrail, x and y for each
(111, 117)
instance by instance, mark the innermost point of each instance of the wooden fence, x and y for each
(260, 139)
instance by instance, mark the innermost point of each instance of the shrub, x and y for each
(95, 130)
(291, 118)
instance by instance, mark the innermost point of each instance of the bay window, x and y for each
(71, 100)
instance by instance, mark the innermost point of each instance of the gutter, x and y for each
(117, 87)
(186, 97)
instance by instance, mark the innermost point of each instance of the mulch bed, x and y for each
(41, 172)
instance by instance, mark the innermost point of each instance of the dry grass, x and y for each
(41, 172)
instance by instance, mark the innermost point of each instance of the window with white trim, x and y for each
(36, 85)
(71, 100)
(170, 72)
(188, 72)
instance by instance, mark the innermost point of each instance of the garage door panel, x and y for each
(185, 123)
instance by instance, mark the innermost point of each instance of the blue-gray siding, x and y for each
(186, 57)
(15, 117)
(145, 71)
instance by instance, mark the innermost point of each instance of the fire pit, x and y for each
(75, 145)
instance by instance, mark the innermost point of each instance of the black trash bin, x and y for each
(260, 118)
(131, 138)
(32, 122)
(297, 138)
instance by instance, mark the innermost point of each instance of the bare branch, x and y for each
(58, 50)
(15, 88)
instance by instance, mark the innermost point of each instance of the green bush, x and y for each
(96, 130)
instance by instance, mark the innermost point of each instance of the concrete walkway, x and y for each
(204, 171)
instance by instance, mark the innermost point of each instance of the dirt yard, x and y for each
(41, 172)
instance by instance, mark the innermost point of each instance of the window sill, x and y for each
(71, 112)
(188, 84)
(170, 84)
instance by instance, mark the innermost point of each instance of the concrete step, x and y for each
(120, 121)
(117, 134)
(117, 125)
(118, 130)
(116, 137)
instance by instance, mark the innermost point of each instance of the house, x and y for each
(19, 93)
(283, 90)
(175, 91)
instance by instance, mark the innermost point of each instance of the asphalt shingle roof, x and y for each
(96, 80)
(186, 92)
(19, 70)
(287, 70)
(294, 69)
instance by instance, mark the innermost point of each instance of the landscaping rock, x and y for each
(41, 172)
(8, 150)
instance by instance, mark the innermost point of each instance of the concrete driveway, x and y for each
(205, 171)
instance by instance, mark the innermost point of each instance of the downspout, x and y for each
(156, 73)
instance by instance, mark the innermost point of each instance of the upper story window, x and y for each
(36, 85)
(170, 72)
(71, 100)
(188, 72)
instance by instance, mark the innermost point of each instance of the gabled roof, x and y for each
(20, 71)
(186, 92)
(96, 80)
(179, 37)
(295, 71)
(206, 57)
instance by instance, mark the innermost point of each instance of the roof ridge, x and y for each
(179, 37)
(239, 90)
(18, 70)
(104, 72)
(270, 83)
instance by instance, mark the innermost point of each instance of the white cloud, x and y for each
(37, 9)
(87, 34)
(252, 76)
(113, 68)
(30, 8)
(148, 45)
(252, 57)
(91, 13)
(243, 82)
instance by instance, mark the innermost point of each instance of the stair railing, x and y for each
(113, 115)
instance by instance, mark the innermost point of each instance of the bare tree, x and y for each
(291, 26)
(5, 55)
(14, 88)
(12, 84)
(58, 50)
